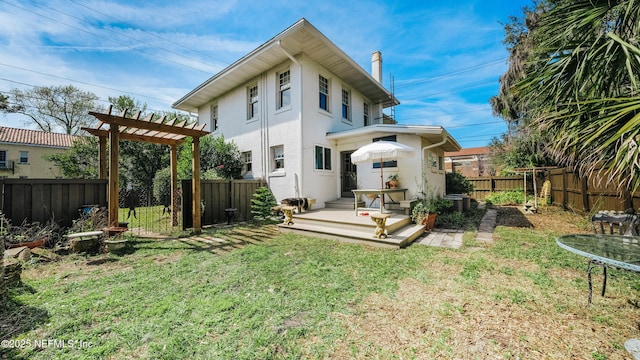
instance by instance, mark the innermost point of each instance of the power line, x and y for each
(449, 91)
(106, 38)
(151, 33)
(447, 75)
(77, 81)
(99, 99)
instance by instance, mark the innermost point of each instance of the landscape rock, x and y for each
(45, 254)
(23, 253)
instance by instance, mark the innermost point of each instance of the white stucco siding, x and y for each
(414, 173)
(320, 184)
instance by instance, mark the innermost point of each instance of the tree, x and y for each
(221, 157)
(123, 102)
(55, 108)
(581, 86)
(218, 159)
(80, 161)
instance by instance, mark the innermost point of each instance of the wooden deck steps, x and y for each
(344, 225)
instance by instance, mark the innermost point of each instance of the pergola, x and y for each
(159, 131)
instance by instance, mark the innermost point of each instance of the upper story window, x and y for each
(346, 104)
(365, 111)
(3, 159)
(24, 157)
(214, 117)
(252, 108)
(284, 89)
(324, 93)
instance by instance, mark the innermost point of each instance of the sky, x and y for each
(445, 57)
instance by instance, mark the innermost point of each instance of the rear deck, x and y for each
(343, 225)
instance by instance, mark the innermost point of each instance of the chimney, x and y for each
(376, 66)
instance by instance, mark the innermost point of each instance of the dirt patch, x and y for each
(547, 218)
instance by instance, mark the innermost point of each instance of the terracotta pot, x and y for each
(431, 221)
(393, 184)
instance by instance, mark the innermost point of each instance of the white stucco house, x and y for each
(298, 106)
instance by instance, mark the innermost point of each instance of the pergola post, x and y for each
(159, 131)
(196, 186)
(174, 184)
(114, 149)
(102, 140)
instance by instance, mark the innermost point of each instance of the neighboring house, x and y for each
(22, 151)
(298, 106)
(470, 162)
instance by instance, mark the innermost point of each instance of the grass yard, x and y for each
(252, 293)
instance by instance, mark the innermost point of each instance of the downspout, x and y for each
(445, 138)
(301, 162)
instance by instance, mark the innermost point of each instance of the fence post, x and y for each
(585, 194)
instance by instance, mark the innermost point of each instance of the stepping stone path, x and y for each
(487, 225)
(443, 238)
(453, 238)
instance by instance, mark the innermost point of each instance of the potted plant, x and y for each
(392, 181)
(422, 214)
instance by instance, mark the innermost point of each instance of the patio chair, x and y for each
(618, 224)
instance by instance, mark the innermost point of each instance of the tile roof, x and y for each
(469, 151)
(35, 137)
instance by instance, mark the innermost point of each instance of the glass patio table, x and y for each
(614, 251)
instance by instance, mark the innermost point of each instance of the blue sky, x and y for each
(445, 56)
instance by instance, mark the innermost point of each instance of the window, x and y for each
(346, 104)
(365, 111)
(432, 162)
(214, 117)
(3, 159)
(323, 158)
(252, 110)
(24, 157)
(284, 90)
(440, 163)
(324, 93)
(387, 164)
(246, 158)
(277, 153)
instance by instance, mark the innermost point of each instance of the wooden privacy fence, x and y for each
(588, 194)
(567, 189)
(218, 195)
(41, 200)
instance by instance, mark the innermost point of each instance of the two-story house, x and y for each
(22, 152)
(298, 106)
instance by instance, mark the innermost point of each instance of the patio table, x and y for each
(616, 251)
(379, 192)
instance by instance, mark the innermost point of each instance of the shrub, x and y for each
(507, 197)
(458, 184)
(262, 202)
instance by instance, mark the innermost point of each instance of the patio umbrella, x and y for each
(381, 151)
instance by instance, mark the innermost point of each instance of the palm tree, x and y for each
(582, 87)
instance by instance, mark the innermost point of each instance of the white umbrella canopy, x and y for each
(380, 151)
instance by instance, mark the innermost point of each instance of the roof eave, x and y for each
(379, 94)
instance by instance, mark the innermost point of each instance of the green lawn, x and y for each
(261, 294)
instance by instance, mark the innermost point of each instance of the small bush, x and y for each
(507, 197)
(262, 202)
(458, 184)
